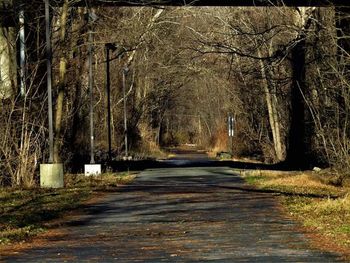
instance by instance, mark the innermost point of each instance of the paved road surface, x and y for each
(181, 215)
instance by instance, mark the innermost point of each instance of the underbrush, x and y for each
(314, 200)
(25, 213)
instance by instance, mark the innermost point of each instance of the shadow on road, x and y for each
(181, 158)
(140, 165)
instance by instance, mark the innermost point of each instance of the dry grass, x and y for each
(293, 182)
(326, 216)
(101, 182)
(333, 213)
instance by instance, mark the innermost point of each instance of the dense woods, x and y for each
(283, 72)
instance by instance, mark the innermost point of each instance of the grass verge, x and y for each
(24, 213)
(322, 208)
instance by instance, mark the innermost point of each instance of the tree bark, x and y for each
(296, 150)
(343, 51)
(271, 102)
(62, 85)
(301, 129)
(7, 63)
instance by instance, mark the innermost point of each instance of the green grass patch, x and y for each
(25, 212)
(254, 179)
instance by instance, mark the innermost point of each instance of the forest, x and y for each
(282, 72)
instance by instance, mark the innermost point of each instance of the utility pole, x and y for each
(109, 46)
(125, 71)
(51, 174)
(49, 77)
(92, 168)
(108, 90)
(91, 19)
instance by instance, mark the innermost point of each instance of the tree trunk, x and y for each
(79, 60)
(296, 150)
(343, 51)
(62, 85)
(7, 63)
(271, 102)
(301, 128)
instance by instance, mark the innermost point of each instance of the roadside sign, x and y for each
(230, 126)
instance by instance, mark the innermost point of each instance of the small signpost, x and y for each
(230, 125)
